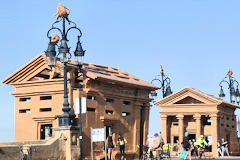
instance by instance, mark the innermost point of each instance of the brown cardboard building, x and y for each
(199, 114)
(115, 99)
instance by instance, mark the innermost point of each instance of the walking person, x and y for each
(156, 146)
(193, 147)
(186, 151)
(149, 144)
(224, 147)
(201, 145)
(122, 142)
(110, 142)
(179, 148)
(219, 151)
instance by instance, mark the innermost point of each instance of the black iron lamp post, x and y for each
(66, 119)
(232, 86)
(164, 84)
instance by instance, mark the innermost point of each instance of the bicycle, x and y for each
(202, 151)
(146, 154)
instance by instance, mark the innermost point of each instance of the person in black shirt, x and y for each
(224, 147)
(110, 142)
(186, 145)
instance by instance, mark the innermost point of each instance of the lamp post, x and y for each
(66, 119)
(232, 86)
(164, 84)
(80, 117)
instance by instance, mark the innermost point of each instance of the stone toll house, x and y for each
(199, 114)
(115, 99)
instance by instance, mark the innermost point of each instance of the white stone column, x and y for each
(214, 131)
(180, 118)
(197, 117)
(164, 127)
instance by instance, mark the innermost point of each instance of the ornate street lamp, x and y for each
(164, 84)
(66, 119)
(64, 54)
(232, 86)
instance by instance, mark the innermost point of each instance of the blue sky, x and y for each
(197, 41)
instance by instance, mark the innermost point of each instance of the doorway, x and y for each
(108, 131)
(45, 130)
(192, 136)
(175, 139)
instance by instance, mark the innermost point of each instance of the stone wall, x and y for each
(52, 149)
(9, 153)
(51, 152)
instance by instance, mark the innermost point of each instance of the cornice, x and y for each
(16, 94)
(44, 118)
(186, 113)
(39, 83)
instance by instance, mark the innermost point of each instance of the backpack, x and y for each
(183, 154)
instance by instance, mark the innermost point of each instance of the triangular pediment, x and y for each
(188, 95)
(189, 100)
(44, 75)
(34, 70)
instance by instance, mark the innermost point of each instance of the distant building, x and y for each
(115, 99)
(190, 110)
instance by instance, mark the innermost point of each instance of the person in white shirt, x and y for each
(149, 145)
(149, 142)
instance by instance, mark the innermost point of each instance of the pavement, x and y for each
(227, 158)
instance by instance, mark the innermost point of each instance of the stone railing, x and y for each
(34, 150)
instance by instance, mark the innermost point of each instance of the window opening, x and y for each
(27, 99)
(175, 124)
(45, 109)
(109, 112)
(126, 102)
(124, 114)
(45, 97)
(24, 111)
(91, 97)
(91, 109)
(109, 100)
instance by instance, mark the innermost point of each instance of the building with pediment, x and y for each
(115, 99)
(190, 110)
